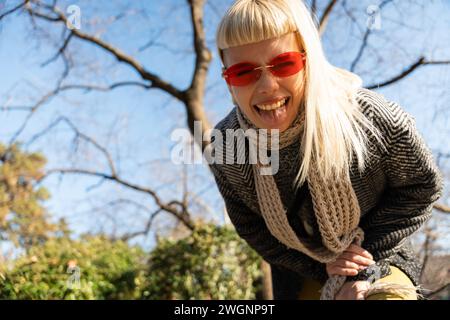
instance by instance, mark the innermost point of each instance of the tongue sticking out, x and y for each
(274, 117)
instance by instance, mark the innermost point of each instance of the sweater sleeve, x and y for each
(252, 228)
(414, 183)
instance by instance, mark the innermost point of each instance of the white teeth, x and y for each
(273, 106)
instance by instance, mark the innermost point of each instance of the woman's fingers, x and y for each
(353, 248)
(350, 262)
(343, 263)
(356, 258)
(335, 270)
(353, 290)
(342, 267)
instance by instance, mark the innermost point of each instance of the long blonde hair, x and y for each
(334, 124)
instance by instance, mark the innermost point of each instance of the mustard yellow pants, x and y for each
(311, 288)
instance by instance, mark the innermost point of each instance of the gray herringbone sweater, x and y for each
(395, 193)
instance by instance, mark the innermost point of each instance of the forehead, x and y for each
(261, 52)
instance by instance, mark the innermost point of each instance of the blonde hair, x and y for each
(334, 124)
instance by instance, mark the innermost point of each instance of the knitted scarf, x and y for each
(335, 205)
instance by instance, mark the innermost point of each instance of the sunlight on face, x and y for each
(257, 98)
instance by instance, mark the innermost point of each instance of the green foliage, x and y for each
(211, 263)
(23, 219)
(108, 270)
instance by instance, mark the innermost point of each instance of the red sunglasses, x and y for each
(283, 65)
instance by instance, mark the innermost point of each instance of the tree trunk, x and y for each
(267, 293)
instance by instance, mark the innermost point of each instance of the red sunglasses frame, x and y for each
(227, 73)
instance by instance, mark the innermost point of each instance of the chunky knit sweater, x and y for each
(396, 193)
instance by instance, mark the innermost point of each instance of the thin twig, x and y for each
(326, 16)
(420, 62)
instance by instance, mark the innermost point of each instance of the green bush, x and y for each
(211, 263)
(108, 270)
(24, 221)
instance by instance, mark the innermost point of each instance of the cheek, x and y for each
(295, 83)
(242, 96)
(295, 86)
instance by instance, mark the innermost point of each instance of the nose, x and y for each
(267, 83)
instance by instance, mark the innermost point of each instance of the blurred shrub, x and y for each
(24, 220)
(107, 270)
(211, 263)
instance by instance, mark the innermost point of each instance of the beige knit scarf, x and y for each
(335, 204)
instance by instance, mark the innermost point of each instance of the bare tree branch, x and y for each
(420, 62)
(81, 135)
(185, 187)
(15, 108)
(116, 202)
(426, 248)
(442, 155)
(326, 15)
(365, 40)
(203, 55)
(60, 51)
(130, 235)
(361, 50)
(192, 97)
(168, 207)
(33, 109)
(442, 208)
(195, 93)
(156, 82)
(146, 229)
(93, 87)
(152, 41)
(13, 9)
(47, 97)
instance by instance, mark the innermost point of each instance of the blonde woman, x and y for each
(355, 178)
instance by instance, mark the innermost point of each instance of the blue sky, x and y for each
(141, 121)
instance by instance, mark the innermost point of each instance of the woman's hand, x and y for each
(353, 290)
(350, 262)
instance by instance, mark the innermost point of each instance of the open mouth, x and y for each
(274, 108)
